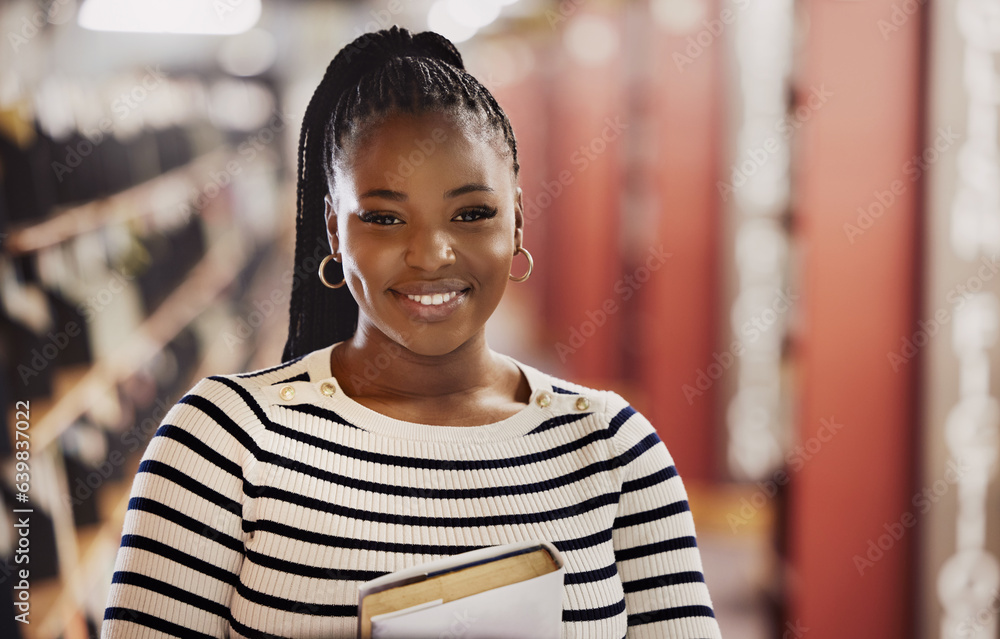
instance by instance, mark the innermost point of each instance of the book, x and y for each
(502, 592)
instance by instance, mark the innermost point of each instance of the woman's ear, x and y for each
(518, 220)
(331, 225)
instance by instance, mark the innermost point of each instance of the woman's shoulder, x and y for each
(596, 399)
(626, 429)
(233, 407)
(252, 387)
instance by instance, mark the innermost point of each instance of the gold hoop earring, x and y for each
(322, 277)
(531, 265)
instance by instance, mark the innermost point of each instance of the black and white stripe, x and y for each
(251, 516)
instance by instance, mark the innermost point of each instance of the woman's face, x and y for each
(426, 218)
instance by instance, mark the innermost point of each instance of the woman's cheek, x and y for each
(491, 261)
(498, 248)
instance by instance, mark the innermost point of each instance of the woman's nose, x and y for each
(430, 249)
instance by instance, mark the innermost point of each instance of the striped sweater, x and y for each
(266, 498)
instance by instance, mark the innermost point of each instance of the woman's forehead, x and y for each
(422, 131)
(405, 144)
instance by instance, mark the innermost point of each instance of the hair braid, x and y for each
(376, 74)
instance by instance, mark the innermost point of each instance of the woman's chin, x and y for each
(431, 347)
(429, 340)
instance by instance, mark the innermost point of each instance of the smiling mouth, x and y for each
(431, 307)
(434, 300)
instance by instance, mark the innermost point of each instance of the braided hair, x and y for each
(377, 74)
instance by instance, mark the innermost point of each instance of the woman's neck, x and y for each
(372, 365)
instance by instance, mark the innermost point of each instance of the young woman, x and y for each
(392, 434)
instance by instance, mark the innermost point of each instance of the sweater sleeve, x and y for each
(654, 538)
(182, 542)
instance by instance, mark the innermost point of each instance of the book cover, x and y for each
(502, 592)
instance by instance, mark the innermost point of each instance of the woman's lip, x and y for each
(431, 287)
(430, 312)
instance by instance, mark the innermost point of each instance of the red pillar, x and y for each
(859, 300)
(677, 312)
(581, 198)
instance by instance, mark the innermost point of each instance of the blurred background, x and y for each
(773, 226)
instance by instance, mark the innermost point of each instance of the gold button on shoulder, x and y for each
(328, 389)
(287, 393)
(544, 399)
(582, 403)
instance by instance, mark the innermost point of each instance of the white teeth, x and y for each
(435, 299)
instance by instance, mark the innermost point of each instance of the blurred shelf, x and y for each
(217, 270)
(62, 605)
(55, 601)
(137, 201)
(59, 602)
(64, 379)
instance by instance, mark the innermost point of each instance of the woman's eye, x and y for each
(471, 215)
(381, 219)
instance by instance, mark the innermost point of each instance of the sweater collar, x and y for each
(318, 367)
(543, 404)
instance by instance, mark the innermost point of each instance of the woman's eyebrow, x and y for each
(468, 188)
(387, 194)
(398, 196)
